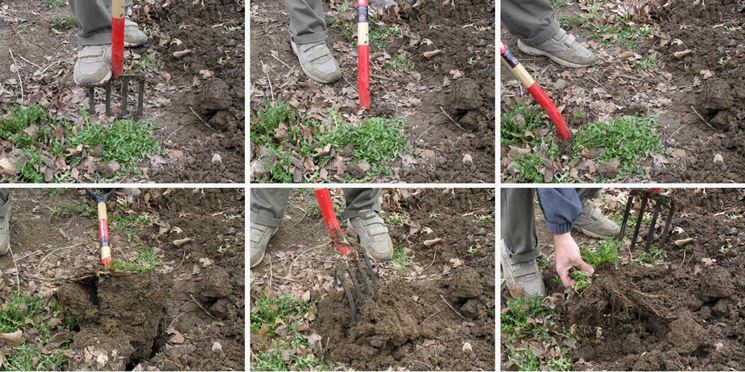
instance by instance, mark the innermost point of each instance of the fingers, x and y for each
(584, 266)
(565, 279)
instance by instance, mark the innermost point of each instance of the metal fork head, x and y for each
(355, 274)
(658, 203)
(138, 79)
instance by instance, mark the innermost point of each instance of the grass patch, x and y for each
(648, 63)
(54, 3)
(61, 23)
(37, 135)
(145, 262)
(39, 320)
(276, 320)
(284, 135)
(652, 256)
(607, 253)
(68, 210)
(129, 224)
(397, 62)
(626, 141)
(620, 34)
(400, 257)
(526, 321)
(147, 62)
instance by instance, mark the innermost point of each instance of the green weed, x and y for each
(129, 224)
(54, 3)
(558, 3)
(397, 62)
(124, 141)
(648, 63)
(607, 253)
(60, 23)
(285, 135)
(400, 257)
(145, 262)
(652, 256)
(394, 219)
(68, 210)
(581, 280)
(147, 62)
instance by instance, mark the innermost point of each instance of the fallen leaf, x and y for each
(432, 242)
(216, 346)
(431, 53)
(467, 348)
(12, 337)
(682, 242)
(181, 53)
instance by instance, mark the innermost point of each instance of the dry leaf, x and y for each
(431, 53)
(12, 337)
(432, 242)
(181, 53)
(683, 242)
(180, 242)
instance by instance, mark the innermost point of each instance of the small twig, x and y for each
(452, 308)
(35, 65)
(18, 276)
(270, 272)
(18, 72)
(676, 132)
(427, 130)
(684, 258)
(202, 307)
(433, 260)
(268, 79)
(50, 252)
(200, 118)
(26, 256)
(174, 132)
(282, 62)
(427, 318)
(451, 119)
(289, 270)
(701, 117)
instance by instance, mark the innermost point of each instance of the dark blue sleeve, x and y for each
(560, 208)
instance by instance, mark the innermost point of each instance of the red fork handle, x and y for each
(363, 54)
(332, 224)
(103, 234)
(535, 90)
(117, 38)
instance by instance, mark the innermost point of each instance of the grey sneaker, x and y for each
(561, 48)
(373, 235)
(5, 226)
(592, 223)
(317, 61)
(522, 279)
(260, 236)
(93, 66)
(133, 36)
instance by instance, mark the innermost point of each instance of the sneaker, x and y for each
(522, 279)
(592, 223)
(93, 66)
(373, 235)
(317, 61)
(5, 227)
(260, 236)
(561, 48)
(133, 36)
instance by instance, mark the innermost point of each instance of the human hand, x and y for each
(567, 257)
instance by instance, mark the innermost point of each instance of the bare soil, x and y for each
(408, 323)
(447, 99)
(188, 314)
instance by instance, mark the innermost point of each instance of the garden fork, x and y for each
(117, 68)
(357, 280)
(659, 201)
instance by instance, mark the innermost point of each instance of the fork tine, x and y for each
(347, 292)
(626, 213)
(668, 222)
(92, 100)
(125, 95)
(141, 97)
(650, 234)
(108, 98)
(356, 285)
(638, 226)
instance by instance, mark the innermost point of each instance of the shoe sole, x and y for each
(594, 235)
(308, 74)
(260, 260)
(537, 52)
(99, 83)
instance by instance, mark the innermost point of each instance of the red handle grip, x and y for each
(332, 224)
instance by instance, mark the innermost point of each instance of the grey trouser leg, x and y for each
(4, 203)
(532, 21)
(587, 194)
(361, 199)
(268, 205)
(94, 20)
(518, 224)
(307, 21)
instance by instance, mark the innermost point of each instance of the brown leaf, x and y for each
(12, 337)
(7, 168)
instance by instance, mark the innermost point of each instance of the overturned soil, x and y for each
(187, 314)
(683, 313)
(409, 322)
(445, 93)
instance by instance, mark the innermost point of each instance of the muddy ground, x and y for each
(188, 313)
(683, 312)
(196, 101)
(408, 324)
(694, 84)
(457, 81)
